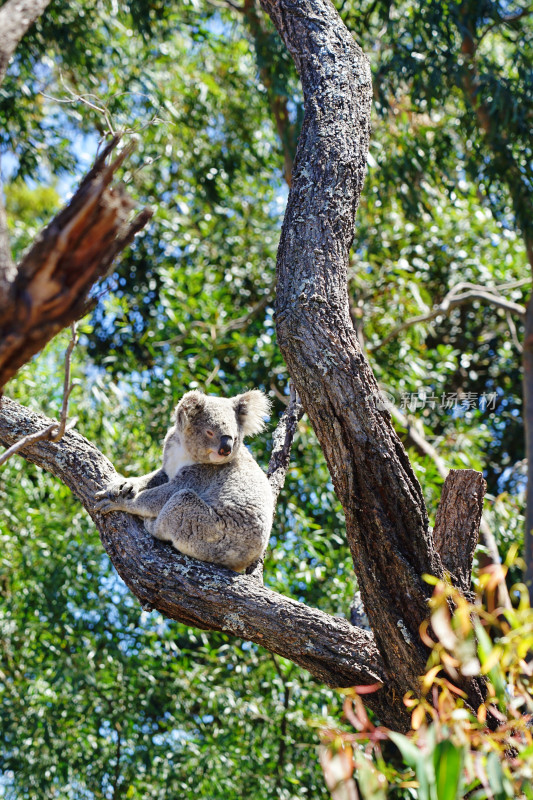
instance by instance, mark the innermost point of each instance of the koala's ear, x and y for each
(250, 408)
(190, 404)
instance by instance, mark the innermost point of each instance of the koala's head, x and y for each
(213, 428)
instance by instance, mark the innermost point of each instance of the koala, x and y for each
(211, 499)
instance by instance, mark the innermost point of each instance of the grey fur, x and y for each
(210, 504)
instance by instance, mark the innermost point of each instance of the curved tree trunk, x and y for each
(386, 519)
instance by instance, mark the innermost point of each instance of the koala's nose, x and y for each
(225, 445)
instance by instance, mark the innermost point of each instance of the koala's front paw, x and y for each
(114, 497)
(122, 487)
(105, 504)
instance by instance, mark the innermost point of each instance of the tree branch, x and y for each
(196, 593)
(280, 459)
(56, 431)
(415, 436)
(454, 299)
(16, 16)
(53, 279)
(282, 443)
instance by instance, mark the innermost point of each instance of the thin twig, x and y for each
(226, 4)
(56, 430)
(513, 332)
(282, 443)
(67, 385)
(280, 458)
(454, 299)
(508, 20)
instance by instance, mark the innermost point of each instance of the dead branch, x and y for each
(456, 531)
(415, 436)
(52, 282)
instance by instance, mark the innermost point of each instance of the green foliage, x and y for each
(453, 751)
(28, 211)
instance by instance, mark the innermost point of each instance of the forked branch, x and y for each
(201, 594)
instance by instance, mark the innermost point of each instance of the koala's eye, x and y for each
(210, 434)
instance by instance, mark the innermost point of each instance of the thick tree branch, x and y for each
(416, 438)
(54, 278)
(196, 593)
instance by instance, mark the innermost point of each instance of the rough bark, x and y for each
(387, 524)
(201, 594)
(456, 531)
(386, 520)
(52, 282)
(16, 16)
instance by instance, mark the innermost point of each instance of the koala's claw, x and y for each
(126, 489)
(117, 491)
(105, 504)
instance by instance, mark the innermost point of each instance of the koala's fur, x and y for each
(211, 499)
